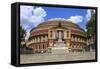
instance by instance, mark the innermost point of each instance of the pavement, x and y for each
(53, 57)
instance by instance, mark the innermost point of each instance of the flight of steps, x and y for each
(59, 48)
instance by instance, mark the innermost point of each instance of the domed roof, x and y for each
(54, 22)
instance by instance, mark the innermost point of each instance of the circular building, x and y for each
(57, 33)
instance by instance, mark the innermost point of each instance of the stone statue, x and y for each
(59, 36)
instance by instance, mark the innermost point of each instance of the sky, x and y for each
(31, 16)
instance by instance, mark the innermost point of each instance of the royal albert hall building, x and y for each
(57, 33)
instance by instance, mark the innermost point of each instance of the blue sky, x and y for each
(66, 13)
(54, 12)
(31, 16)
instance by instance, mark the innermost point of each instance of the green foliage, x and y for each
(22, 33)
(91, 26)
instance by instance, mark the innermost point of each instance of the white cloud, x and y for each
(26, 11)
(36, 20)
(76, 19)
(85, 29)
(40, 12)
(93, 11)
(88, 15)
(31, 17)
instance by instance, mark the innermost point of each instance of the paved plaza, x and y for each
(51, 57)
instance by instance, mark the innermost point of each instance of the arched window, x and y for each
(43, 46)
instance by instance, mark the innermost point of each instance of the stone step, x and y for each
(59, 50)
(59, 45)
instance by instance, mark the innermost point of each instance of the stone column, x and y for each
(50, 32)
(69, 34)
(38, 39)
(41, 39)
(45, 38)
(64, 34)
(72, 38)
(34, 40)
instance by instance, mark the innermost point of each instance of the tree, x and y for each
(91, 26)
(22, 34)
(91, 31)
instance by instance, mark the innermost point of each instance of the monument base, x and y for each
(59, 50)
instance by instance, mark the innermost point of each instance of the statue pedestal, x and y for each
(59, 48)
(59, 44)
